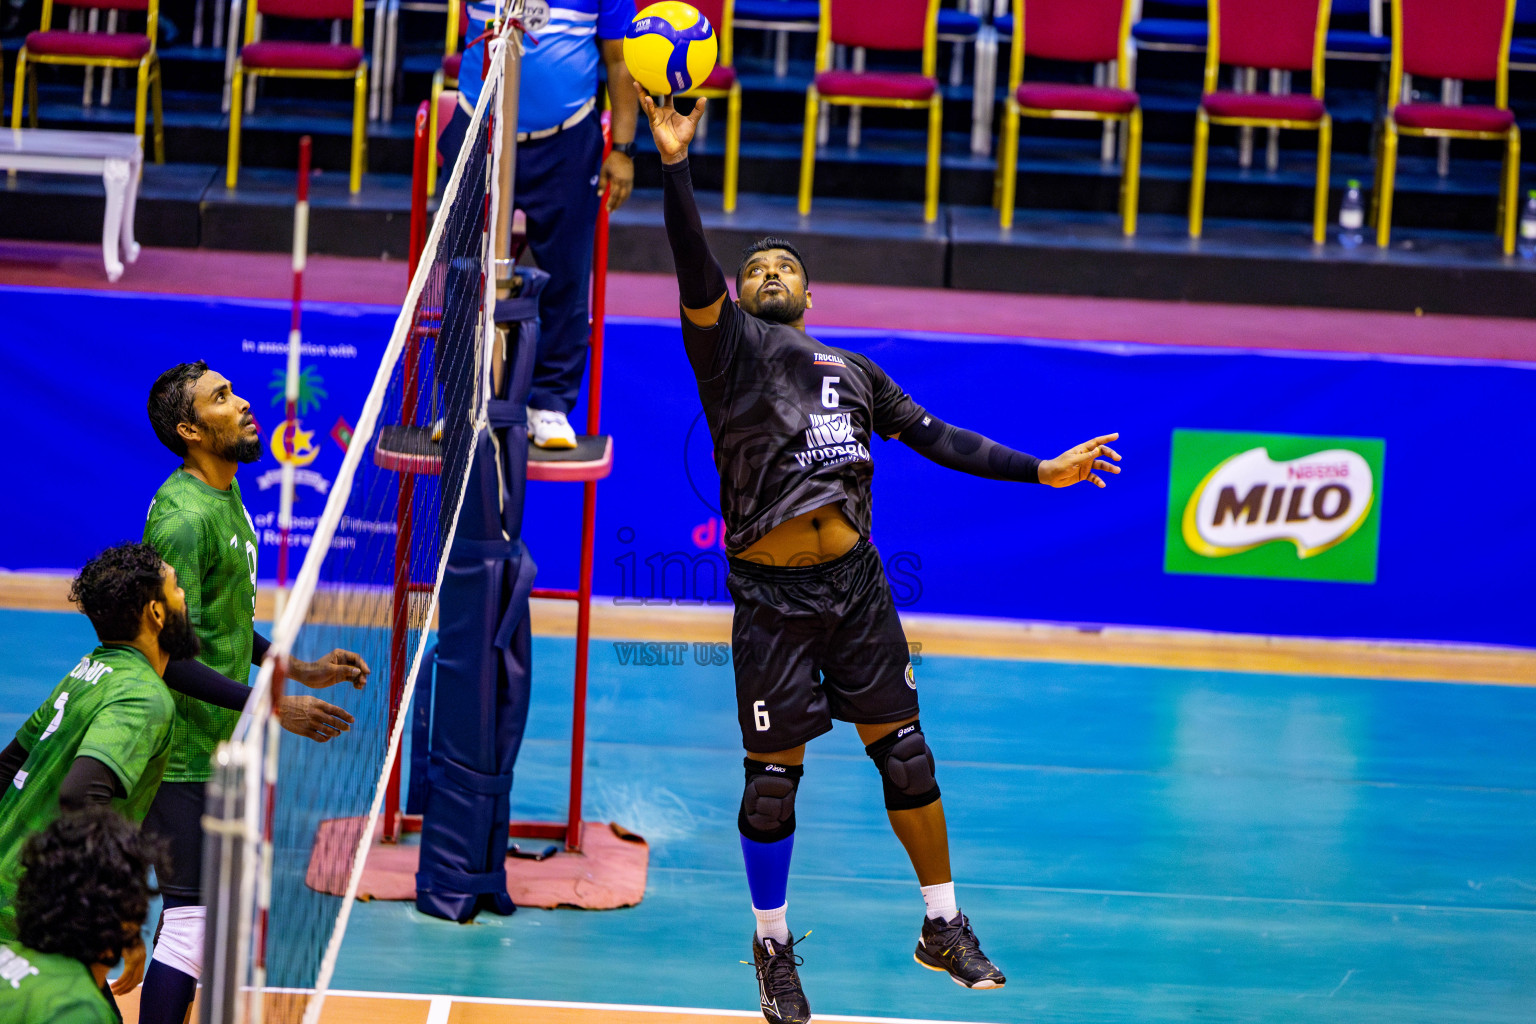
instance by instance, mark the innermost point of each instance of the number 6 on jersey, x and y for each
(828, 392)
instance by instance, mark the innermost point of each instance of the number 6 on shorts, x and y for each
(760, 715)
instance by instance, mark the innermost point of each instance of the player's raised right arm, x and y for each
(700, 281)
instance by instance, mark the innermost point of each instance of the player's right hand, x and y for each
(313, 718)
(671, 130)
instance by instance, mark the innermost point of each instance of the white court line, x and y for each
(443, 1000)
(438, 1012)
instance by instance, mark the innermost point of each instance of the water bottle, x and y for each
(1528, 228)
(1351, 216)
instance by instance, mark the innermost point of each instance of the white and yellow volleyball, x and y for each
(670, 47)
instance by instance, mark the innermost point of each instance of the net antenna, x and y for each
(291, 384)
(289, 820)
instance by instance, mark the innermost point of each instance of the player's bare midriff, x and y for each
(810, 538)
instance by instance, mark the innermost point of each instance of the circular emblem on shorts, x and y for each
(911, 677)
(536, 14)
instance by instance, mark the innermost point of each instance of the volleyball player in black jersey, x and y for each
(816, 636)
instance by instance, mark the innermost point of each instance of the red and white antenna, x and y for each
(290, 427)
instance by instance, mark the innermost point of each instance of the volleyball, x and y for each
(670, 47)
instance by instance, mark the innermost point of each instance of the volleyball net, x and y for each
(289, 820)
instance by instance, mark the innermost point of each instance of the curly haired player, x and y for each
(816, 636)
(81, 901)
(103, 735)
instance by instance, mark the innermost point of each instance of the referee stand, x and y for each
(590, 461)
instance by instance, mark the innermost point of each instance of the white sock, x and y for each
(771, 924)
(941, 901)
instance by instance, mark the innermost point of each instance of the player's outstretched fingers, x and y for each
(1107, 450)
(332, 716)
(352, 667)
(1108, 467)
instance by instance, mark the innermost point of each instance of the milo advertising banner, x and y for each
(1283, 506)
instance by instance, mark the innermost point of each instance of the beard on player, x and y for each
(178, 640)
(778, 304)
(243, 445)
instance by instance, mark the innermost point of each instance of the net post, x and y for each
(506, 178)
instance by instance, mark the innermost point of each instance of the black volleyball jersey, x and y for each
(791, 419)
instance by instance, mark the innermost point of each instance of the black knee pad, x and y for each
(906, 768)
(768, 803)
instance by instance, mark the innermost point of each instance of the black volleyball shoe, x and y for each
(951, 946)
(778, 982)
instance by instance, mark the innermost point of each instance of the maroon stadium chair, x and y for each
(723, 84)
(898, 25)
(95, 49)
(1091, 31)
(283, 59)
(1277, 35)
(1466, 41)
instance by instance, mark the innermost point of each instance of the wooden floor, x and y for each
(1005, 638)
(385, 1008)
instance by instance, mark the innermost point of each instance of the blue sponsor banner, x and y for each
(78, 367)
(1455, 555)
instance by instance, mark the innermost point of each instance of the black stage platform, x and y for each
(866, 225)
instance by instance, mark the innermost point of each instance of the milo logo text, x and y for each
(1314, 502)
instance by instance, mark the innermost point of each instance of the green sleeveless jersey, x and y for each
(113, 707)
(37, 987)
(209, 539)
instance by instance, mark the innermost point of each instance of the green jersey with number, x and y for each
(37, 987)
(209, 539)
(113, 707)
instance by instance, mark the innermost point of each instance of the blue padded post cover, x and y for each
(421, 735)
(479, 700)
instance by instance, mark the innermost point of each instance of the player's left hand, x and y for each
(618, 176)
(133, 969)
(336, 667)
(1081, 463)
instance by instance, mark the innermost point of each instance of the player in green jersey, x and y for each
(198, 522)
(104, 733)
(81, 900)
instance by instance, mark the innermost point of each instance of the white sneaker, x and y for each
(550, 429)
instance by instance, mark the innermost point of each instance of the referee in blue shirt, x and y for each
(561, 172)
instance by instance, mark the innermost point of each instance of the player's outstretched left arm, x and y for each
(337, 667)
(967, 451)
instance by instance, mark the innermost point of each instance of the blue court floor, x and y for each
(1136, 845)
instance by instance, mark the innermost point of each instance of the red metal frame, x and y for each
(400, 611)
(569, 830)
